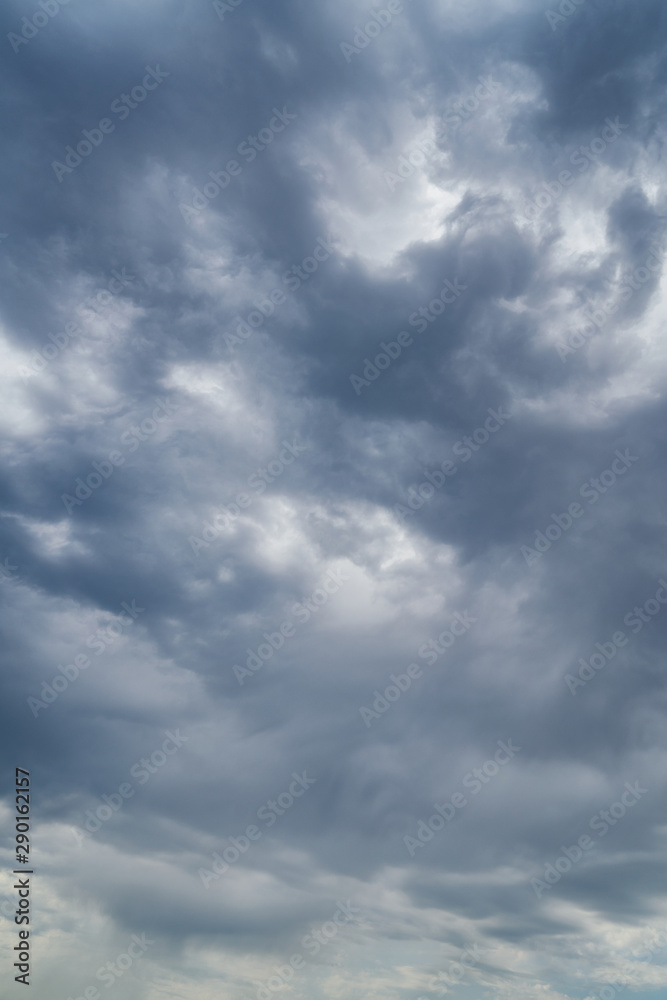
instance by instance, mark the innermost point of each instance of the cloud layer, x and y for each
(334, 373)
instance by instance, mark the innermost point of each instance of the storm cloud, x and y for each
(332, 496)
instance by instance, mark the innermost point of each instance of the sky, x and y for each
(332, 503)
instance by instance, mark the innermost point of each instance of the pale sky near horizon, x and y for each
(333, 491)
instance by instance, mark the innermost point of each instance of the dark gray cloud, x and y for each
(166, 337)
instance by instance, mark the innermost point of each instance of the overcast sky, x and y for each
(333, 490)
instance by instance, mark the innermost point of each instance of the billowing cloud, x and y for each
(332, 512)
